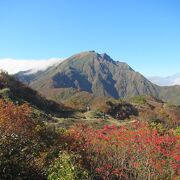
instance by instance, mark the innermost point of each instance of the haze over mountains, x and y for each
(166, 81)
(96, 74)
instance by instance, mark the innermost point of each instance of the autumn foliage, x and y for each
(26, 143)
(31, 149)
(15, 119)
(127, 152)
(16, 133)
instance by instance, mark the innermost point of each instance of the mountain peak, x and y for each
(107, 57)
(104, 55)
(93, 55)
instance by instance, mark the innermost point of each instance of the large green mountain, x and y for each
(97, 74)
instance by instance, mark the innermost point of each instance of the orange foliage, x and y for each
(15, 119)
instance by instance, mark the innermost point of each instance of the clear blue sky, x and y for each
(143, 33)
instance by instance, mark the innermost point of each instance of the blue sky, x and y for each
(143, 33)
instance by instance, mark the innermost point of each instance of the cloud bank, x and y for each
(13, 66)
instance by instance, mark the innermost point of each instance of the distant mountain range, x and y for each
(166, 81)
(98, 75)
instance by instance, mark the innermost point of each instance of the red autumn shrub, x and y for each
(20, 142)
(127, 152)
(15, 119)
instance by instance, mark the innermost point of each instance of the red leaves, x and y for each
(134, 149)
(99, 170)
(135, 164)
(177, 157)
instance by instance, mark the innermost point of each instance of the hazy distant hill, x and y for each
(97, 74)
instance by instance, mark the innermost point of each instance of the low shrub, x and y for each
(138, 100)
(66, 167)
(127, 152)
(177, 131)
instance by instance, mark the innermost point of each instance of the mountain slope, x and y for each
(97, 74)
(16, 91)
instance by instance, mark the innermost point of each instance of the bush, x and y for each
(122, 111)
(159, 127)
(139, 100)
(66, 167)
(24, 140)
(96, 114)
(5, 93)
(18, 147)
(128, 152)
(177, 131)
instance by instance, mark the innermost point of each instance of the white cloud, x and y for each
(176, 81)
(13, 66)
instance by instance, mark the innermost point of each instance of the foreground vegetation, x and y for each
(31, 148)
(129, 152)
